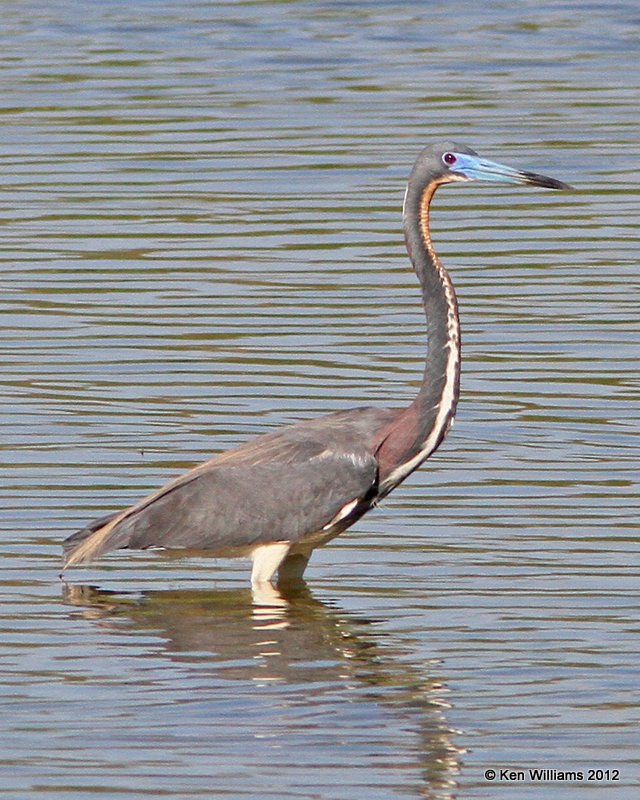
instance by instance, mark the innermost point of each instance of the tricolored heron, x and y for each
(281, 495)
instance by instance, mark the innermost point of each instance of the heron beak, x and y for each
(480, 169)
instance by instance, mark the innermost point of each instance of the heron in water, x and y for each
(278, 497)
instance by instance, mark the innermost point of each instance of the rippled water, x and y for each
(201, 240)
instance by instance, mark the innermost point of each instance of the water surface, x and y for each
(201, 241)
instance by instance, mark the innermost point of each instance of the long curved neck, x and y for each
(420, 428)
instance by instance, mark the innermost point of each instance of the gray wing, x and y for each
(279, 487)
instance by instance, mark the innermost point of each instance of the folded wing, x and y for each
(282, 486)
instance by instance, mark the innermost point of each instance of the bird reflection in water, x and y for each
(291, 639)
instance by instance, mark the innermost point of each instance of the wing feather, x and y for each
(282, 486)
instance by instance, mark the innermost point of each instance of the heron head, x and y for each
(450, 162)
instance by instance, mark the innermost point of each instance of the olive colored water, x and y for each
(201, 240)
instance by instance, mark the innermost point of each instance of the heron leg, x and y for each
(266, 560)
(293, 566)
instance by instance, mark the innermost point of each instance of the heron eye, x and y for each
(449, 158)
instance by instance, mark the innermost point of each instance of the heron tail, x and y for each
(92, 541)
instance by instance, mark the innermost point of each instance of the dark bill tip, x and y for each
(542, 180)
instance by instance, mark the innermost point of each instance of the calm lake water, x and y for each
(201, 240)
